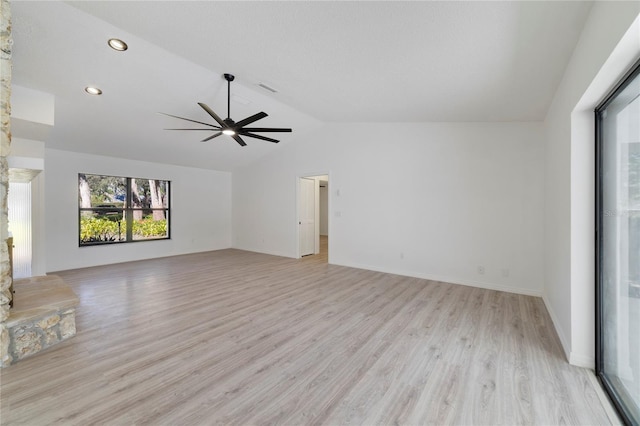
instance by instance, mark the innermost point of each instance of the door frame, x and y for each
(297, 207)
(308, 205)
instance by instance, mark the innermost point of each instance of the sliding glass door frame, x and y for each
(615, 397)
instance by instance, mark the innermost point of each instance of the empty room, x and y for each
(320, 212)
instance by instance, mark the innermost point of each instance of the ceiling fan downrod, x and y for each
(229, 78)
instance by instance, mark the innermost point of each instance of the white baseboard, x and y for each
(566, 347)
(577, 359)
(581, 360)
(450, 280)
(263, 251)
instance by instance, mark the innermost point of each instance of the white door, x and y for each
(307, 221)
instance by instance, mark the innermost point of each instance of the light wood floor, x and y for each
(323, 256)
(233, 337)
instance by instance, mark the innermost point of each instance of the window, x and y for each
(618, 246)
(120, 209)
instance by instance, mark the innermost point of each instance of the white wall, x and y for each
(569, 171)
(200, 210)
(26, 148)
(426, 200)
(32, 105)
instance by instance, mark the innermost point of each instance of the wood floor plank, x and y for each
(234, 337)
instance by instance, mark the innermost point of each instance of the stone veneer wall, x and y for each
(43, 315)
(28, 338)
(5, 143)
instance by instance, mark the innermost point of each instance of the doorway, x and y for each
(313, 216)
(19, 217)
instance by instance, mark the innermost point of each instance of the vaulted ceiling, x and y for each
(353, 61)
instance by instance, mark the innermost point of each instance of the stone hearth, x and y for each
(43, 314)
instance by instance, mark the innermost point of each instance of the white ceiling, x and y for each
(331, 61)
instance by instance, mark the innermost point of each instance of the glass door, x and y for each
(618, 246)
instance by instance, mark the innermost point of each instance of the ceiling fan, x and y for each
(230, 127)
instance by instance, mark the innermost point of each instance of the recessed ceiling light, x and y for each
(93, 90)
(117, 44)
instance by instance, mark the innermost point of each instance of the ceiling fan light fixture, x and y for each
(93, 90)
(117, 44)
(230, 127)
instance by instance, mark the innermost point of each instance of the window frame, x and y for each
(127, 212)
(617, 399)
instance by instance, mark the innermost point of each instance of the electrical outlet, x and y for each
(481, 270)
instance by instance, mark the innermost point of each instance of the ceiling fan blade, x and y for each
(188, 119)
(208, 130)
(215, 135)
(212, 114)
(239, 140)
(264, 138)
(265, 129)
(251, 119)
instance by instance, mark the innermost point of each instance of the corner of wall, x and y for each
(580, 360)
(564, 342)
(568, 291)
